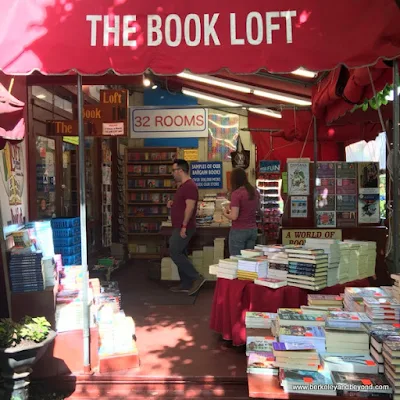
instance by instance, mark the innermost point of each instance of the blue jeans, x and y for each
(241, 239)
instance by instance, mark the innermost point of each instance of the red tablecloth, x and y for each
(232, 298)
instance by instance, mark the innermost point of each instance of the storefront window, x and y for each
(45, 177)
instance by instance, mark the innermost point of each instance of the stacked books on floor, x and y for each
(228, 268)
(252, 268)
(26, 271)
(308, 268)
(332, 251)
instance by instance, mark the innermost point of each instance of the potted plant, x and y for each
(21, 345)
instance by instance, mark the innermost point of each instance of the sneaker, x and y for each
(178, 289)
(197, 284)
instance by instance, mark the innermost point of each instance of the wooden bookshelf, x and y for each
(149, 186)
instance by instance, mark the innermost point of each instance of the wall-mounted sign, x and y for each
(207, 175)
(270, 166)
(298, 236)
(108, 118)
(191, 154)
(148, 122)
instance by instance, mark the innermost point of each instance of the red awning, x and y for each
(12, 121)
(128, 37)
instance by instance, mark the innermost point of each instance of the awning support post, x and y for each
(315, 167)
(82, 208)
(395, 230)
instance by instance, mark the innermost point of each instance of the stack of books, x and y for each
(391, 356)
(366, 257)
(378, 334)
(314, 335)
(325, 300)
(249, 253)
(259, 320)
(361, 385)
(296, 317)
(252, 268)
(298, 355)
(26, 271)
(344, 263)
(354, 297)
(396, 286)
(351, 363)
(259, 344)
(269, 249)
(262, 364)
(308, 268)
(383, 309)
(306, 382)
(271, 283)
(278, 266)
(332, 250)
(354, 270)
(227, 268)
(346, 338)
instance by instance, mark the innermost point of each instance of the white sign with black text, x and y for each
(151, 122)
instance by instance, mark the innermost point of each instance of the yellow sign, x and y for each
(191, 154)
(71, 139)
(298, 236)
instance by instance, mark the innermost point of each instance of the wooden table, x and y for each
(204, 236)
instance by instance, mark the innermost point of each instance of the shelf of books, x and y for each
(337, 345)
(149, 187)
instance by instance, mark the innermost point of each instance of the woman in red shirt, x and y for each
(245, 203)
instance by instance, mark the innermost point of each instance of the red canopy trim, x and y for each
(342, 89)
(93, 37)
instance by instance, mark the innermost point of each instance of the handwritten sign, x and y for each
(298, 236)
(191, 154)
(207, 175)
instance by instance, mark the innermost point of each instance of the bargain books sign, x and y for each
(151, 122)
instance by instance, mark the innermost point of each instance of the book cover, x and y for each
(261, 315)
(302, 331)
(346, 170)
(348, 316)
(259, 344)
(292, 346)
(308, 377)
(361, 382)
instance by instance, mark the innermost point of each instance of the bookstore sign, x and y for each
(109, 118)
(207, 175)
(298, 236)
(153, 122)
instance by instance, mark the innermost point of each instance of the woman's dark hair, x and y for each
(239, 179)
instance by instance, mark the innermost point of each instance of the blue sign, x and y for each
(207, 175)
(270, 166)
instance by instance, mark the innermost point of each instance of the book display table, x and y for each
(232, 298)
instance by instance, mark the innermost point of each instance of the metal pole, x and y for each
(396, 167)
(315, 167)
(82, 207)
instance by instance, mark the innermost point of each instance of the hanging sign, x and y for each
(107, 119)
(148, 122)
(270, 166)
(207, 175)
